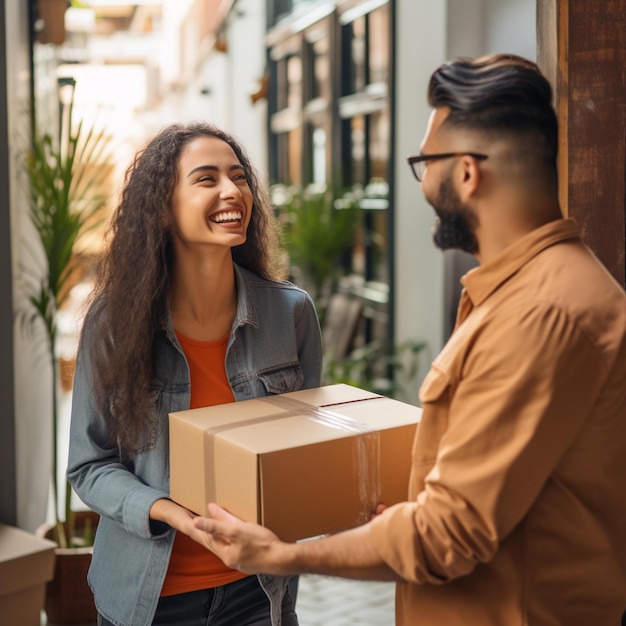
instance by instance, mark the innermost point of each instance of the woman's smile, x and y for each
(231, 216)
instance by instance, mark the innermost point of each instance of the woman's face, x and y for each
(211, 202)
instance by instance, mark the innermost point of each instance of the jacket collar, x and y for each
(246, 311)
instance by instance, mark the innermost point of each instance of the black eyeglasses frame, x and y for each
(424, 158)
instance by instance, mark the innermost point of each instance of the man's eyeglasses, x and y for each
(418, 163)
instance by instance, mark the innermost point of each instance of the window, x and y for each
(318, 53)
(330, 124)
(366, 42)
(364, 109)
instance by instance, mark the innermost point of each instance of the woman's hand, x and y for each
(232, 539)
(173, 515)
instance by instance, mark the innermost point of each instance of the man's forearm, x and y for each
(253, 549)
(351, 554)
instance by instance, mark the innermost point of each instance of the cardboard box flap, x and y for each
(329, 395)
(380, 414)
(231, 413)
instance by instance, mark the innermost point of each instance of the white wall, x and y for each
(466, 28)
(478, 27)
(427, 34)
(220, 89)
(510, 26)
(33, 422)
(246, 32)
(421, 37)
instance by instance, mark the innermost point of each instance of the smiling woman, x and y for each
(212, 189)
(188, 311)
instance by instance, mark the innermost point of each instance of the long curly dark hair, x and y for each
(130, 299)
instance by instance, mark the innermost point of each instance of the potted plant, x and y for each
(319, 227)
(379, 367)
(64, 181)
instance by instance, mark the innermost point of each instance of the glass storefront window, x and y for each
(288, 82)
(369, 137)
(318, 146)
(295, 156)
(379, 45)
(289, 157)
(379, 144)
(320, 68)
(357, 169)
(294, 81)
(331, 122)
(281, 83)
(367, 44)
(358, 49)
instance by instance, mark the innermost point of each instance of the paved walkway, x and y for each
(324, 601)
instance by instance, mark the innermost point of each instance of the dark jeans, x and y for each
(242, 603)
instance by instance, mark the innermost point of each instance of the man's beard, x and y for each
(454, 226)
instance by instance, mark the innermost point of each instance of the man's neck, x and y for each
(507, 220)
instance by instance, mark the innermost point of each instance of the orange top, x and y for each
(193, 567)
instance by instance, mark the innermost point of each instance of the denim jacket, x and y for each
(274, 347)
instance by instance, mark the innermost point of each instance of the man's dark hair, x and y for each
(499, 95)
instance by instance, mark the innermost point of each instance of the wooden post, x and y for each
(52, 16)
(581, 46)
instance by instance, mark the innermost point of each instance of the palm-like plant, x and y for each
(66, 201)
(319, 227)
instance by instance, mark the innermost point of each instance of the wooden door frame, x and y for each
(581, 47)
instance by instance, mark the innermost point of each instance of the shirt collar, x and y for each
(482, 281)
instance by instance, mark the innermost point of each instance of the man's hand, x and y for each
(254, 549)
(247, 547)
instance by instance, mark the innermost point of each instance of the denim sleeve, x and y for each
(95, 471)
(309, 339)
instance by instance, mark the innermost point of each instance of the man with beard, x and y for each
(516, 512)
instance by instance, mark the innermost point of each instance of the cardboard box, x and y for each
(26, 565)
(303, 464)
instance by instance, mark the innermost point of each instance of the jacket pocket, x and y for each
(282, 380)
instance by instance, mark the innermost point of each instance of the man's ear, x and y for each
(469, 177)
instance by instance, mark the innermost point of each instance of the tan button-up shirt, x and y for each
(517, 503)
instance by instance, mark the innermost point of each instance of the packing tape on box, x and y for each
(321, 414)
(366, 451)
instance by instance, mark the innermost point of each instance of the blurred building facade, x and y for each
(320, 91)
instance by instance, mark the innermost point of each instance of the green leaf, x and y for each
(318, 230)
(65, 190)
